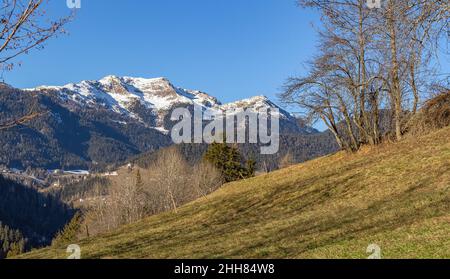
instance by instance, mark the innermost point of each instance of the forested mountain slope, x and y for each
(96, 124)
(29, 218)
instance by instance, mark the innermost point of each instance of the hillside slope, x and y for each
(397, 196)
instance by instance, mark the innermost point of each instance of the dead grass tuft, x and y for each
(434, 115)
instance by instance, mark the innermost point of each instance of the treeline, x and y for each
(370, 60)
(29, 218)
(301, 147)
(82, 189)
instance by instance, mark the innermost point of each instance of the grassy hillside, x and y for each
(397, 196)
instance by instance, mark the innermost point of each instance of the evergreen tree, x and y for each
(70, 231)
(251, 167)
(12, 242)
(16, 248)
(28, 214)
(229, 161)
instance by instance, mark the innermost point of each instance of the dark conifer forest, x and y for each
(29, 219)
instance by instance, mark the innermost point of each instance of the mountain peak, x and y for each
(256, 102)
(135, 80)
(159, 95)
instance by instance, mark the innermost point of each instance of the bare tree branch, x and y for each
(24, 26)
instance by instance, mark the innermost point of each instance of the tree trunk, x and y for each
(395, 93)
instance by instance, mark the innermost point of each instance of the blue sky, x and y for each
(231, 49)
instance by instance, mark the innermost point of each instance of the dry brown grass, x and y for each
(434, 115)
(397, 196)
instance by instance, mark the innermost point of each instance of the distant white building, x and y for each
(130, 167)
(57, 172)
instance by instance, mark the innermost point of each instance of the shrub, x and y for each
(70, 231)
(229, 161)
(434, 115)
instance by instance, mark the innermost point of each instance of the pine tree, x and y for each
(16, 248)
(229, 161)
(70, 231)
(251, 167)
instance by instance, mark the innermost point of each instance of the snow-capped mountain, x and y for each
(120, 92)
(150, 100)
(97, 123)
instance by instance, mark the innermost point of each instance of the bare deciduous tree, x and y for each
(167, 184)
(287, 160)
(369, 61)
(206, 178)
(24, 25)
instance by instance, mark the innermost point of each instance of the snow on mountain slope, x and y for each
(119, 92)
(255, 103)
(153, 96)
